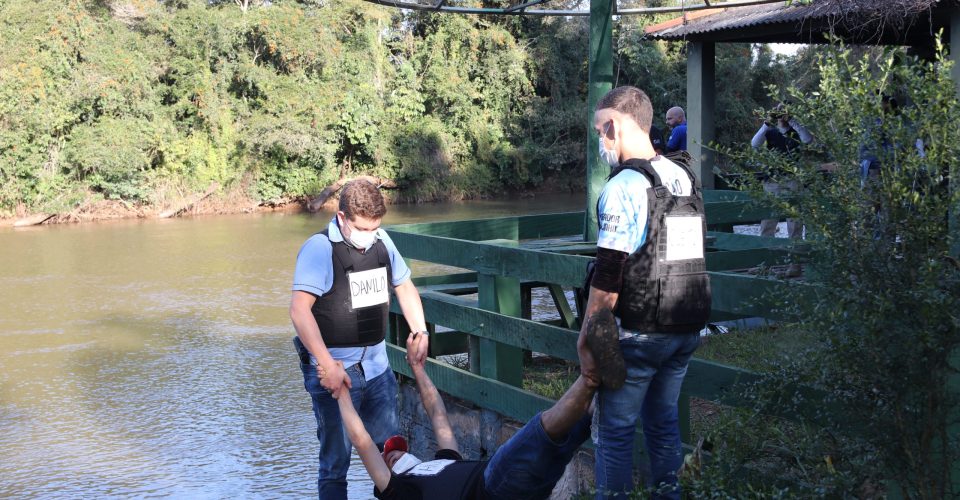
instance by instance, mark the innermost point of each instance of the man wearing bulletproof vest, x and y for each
(341, 300)
(650, 271)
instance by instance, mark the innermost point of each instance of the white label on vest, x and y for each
(431, 468)
(368, 288)
(684, 238)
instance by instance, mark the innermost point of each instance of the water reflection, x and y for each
(153, 359)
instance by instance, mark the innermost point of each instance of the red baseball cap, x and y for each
(394, 443)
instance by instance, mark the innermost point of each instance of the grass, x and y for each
(549, 377)
(758, 349)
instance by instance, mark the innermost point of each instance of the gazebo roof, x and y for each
(852, 22)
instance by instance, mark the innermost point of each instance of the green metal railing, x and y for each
(505, 258)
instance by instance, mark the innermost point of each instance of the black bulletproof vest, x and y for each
(658, 295)
(340, 324)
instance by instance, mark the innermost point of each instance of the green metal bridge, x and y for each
(501, 260)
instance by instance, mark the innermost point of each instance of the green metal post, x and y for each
(701, 99)
(601, 81)
(500, 361)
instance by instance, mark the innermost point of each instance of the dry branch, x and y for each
(33, 220)
(317, 203)
(166, 214)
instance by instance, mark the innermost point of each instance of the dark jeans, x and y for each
(376, 403)
(656, 365)
(529, 464)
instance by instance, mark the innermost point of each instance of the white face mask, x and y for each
(609, 156)
(405, 463)
(362, 240)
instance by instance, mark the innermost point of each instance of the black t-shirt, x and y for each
(446, 477)
(656, 139)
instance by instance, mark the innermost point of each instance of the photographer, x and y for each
(783, 134)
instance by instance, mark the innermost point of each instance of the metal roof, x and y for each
(561, 7)
(802, 23)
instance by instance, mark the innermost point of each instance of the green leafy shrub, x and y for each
(885, 287)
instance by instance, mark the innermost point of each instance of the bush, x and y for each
(886, 289)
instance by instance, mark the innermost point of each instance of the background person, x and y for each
(677, 122)
(782, 134)
(341, 299)
(650, 270)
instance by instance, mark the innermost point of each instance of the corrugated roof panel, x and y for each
(740, 17)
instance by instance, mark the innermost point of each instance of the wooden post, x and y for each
(600, 59)
(701, 99)
(500, 361)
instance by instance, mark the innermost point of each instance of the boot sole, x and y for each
(603, 340)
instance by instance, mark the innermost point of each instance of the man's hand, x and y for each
(423, 347)
(417, 346)
(334, 378)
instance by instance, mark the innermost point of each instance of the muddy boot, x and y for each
(603, 340)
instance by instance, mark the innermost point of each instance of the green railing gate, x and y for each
(501, 260)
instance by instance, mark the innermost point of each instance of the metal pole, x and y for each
(600, 58)
(701, 100)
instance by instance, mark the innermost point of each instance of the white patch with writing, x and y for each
(368, 288)
(431, 468)
(684, 238)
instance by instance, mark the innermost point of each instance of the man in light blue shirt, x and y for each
(340, 305)
(649, 238)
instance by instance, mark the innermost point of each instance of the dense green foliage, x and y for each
(882, 308)
(148, 101)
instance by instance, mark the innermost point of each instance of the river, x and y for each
(153, 358)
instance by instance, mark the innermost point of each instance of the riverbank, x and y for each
(231, 202)
(107, 210)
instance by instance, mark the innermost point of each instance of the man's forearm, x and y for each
(600, 299)
(435, 408)
(429, 395)
(309, 334)
(409, 299)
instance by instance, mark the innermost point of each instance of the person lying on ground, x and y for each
(527, 466)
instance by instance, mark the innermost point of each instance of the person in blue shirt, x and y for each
(677, 121)
(651, 272)
(340, 306)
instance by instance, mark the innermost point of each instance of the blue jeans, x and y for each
(656, 364)
(376, 403)
(529, 464)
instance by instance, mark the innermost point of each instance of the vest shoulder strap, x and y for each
(639, 165)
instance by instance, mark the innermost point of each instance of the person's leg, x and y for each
(768, 227)
(334, 455)
(661, 428)
(602, 346)
(378, 407)
(530, 463)
(615, 419)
